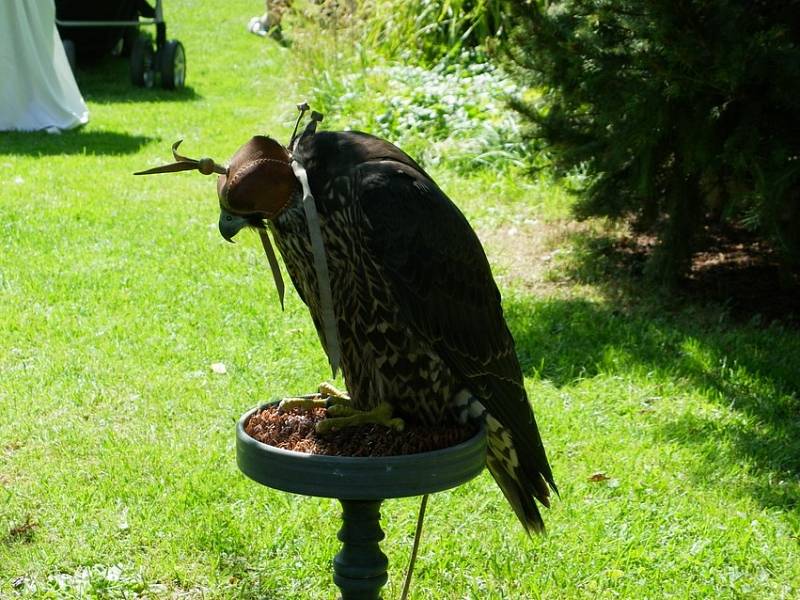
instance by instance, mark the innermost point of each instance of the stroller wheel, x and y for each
(173, 65)
(143, 72)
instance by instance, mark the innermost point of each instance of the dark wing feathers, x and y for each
(443, 285)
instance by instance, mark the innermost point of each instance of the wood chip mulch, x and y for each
(294, 430)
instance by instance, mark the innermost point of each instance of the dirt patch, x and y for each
(745, 274)
(523, 252)
(736, 269)
(294, 429)
(22, 532)
(11, 447)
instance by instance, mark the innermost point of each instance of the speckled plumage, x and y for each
(418, 312)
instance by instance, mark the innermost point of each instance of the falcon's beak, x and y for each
(230, 225)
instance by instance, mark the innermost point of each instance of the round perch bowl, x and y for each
(360, 484)
(358, 478)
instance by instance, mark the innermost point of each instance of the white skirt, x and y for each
(37, 87)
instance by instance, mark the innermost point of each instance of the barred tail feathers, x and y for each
(519, 487)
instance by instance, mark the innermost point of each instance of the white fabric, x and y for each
(37, 88)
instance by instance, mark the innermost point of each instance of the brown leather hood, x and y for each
(259, 180)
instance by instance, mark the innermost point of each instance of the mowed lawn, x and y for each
(673, 429)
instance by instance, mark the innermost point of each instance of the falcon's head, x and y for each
(258, 185)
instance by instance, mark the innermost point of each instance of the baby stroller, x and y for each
(91, 29)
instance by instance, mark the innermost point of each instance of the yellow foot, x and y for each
(346, 416)
(328, 397)
(328, 389)
(304, 402)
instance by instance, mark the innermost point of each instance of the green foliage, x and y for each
(98, 581)
(673, 113)
(369, 69)
(430, 31)
(449, 114)
(422, 32)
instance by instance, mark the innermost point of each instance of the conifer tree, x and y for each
(676, 112)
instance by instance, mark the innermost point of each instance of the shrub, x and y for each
(429, 32)
(419, 32)
(450, 113)
(453, 111)
(673, 113)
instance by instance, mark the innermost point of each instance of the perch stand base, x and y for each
(360, 568)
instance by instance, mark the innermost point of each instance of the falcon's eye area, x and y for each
(254, 220)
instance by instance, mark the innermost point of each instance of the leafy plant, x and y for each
(430, 31)
(414, 73)
(454, 114)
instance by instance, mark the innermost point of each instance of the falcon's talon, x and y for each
(304, 403)
(397, 424)
(326, 388)
(380, 415)
(341, 410)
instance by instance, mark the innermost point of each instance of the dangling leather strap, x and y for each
(273, 265)
(321, 268)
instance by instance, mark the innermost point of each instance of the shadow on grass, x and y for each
(750, 371)
(108, 81)
(749, 368)
(736, 272)
(77, 141)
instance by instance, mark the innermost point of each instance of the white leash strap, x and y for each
(321, 268)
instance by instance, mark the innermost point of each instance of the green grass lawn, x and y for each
(117, 466)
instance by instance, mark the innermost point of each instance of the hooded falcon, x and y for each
(407, 302)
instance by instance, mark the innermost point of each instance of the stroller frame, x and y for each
(167, 60)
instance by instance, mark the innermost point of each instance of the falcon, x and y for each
(402, 298)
